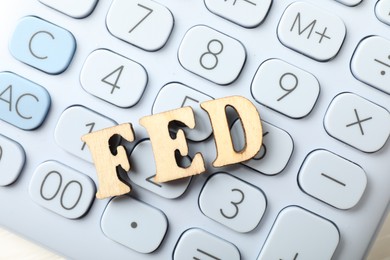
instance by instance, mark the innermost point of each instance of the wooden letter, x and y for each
(164, 146)
(106, 163)
(251, 124)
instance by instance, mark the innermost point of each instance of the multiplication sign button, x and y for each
(358, 122)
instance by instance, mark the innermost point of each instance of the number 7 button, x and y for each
(144, 23)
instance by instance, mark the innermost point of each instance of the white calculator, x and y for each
(318, 72)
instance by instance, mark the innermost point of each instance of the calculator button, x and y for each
(311, 31)
(143, 23)
(199, 244)
(299, 234)
(232, 202)
(177, 95)
(73, 8)
(143, 175)
(62, 190)
(75, 122)
(247, 13)
(350, 2)
(113, 78)
(382, 11)
(12, 158)
(42, 45)
(275, 152)
(212, 55)
(134, 224)
(332, 179)
(371, 62)
(285, 88)
(358, 122)
(23, 103)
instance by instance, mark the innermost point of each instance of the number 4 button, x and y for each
(113, 78)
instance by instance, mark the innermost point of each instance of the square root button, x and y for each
(358, 122)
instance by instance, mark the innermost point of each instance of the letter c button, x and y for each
(42, 45)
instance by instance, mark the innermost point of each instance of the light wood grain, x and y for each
(15, 247)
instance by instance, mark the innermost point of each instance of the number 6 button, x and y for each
(232, 202)
(62, 190)
(212, 55)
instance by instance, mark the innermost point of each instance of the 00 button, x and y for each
(62, 189)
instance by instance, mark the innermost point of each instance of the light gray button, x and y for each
(75, 122)
(332, 179)
(232, 202)
(134, 224)
(12, 158)
(198, 244)
(358, 122)
(301, 235)
(62, 190)
(312, 31)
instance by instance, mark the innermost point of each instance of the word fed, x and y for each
(164, 146)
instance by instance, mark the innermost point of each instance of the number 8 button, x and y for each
(232, 202)
(212, 55)
(62, 190)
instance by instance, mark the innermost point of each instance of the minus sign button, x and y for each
(333, 179)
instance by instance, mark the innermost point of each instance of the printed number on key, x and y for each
(212, 55)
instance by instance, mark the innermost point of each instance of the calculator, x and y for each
(318, 72)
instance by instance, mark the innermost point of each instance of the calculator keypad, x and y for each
(229, 203)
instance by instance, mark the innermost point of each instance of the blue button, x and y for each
(22, 103)
(42, 45)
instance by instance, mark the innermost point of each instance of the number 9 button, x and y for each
(62, 190)
(285, 88)
(232, 202)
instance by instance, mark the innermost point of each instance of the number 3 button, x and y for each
(212, 55)
(232, 202)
